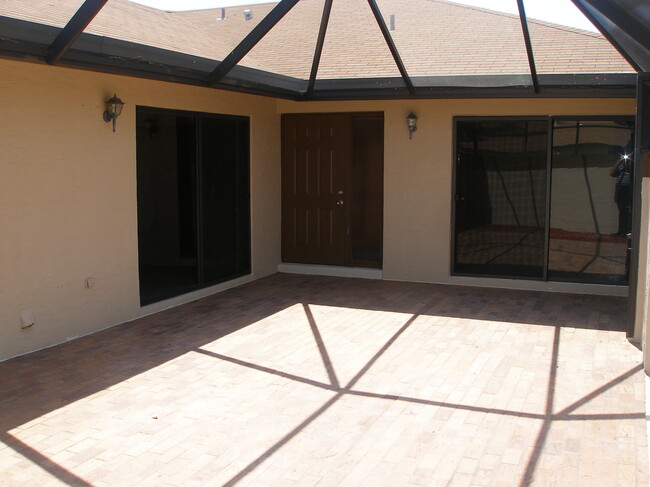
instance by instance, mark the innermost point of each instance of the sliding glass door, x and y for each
(501, 198)
(193, 205)
(591, 201)
(542, 198)
(224, 198)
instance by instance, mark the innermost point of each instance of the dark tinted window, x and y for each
(591, 201)
(193, 205)
(500, 208)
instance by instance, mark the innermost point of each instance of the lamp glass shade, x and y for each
(411, 120)
(115, 106)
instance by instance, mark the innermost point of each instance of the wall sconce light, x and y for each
(113, 109)
(412, 123)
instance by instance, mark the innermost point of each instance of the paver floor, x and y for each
(316, 381)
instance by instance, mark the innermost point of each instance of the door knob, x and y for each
(339, 202)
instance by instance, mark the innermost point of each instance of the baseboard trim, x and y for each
(330, 270)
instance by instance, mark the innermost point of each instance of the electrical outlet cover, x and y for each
(26, 318)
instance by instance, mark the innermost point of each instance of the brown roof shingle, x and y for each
(434, 37)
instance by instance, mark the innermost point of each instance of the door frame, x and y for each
(641, 170)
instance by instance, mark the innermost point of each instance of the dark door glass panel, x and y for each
(193, 201)
(500, 207)
(166, 167)
(591, 201)
(225, 207)
(366, 192)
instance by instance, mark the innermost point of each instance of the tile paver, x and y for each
(315, 381)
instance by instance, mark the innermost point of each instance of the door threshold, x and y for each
(331, 270)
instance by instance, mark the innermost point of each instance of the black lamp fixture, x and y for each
(412, 123)
(113, 109)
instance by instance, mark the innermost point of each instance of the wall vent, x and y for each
(392, 21)
(222, 15)
(248, 14)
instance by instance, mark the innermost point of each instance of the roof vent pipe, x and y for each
(392, 21)
(248, 14)
(222, 16)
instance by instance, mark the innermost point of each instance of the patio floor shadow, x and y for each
(302, 380)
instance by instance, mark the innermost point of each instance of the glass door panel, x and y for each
(193, 201)
(166, 166)
(224, 202)
(500, 207)
(591, 201)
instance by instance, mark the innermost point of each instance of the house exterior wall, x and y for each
(68, 193)
(418, 179)
(642, 313)
(68, 198)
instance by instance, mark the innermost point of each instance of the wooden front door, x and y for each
(315, 159)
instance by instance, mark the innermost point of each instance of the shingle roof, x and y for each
(434, 37)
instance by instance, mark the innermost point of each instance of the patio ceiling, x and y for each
(396, 67)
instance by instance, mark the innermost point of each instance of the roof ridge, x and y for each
(567, 28)
(574, 30)
(202, 9)
(141, 6)
(156, 11)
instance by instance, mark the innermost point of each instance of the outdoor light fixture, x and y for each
(412, 123)
(113, 109)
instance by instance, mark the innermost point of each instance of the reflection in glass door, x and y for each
(591, 201)
(501, 198)
(523, 211)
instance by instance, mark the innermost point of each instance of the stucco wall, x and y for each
(68, 198)
(68, 192)
(418, 178)
(642, 328)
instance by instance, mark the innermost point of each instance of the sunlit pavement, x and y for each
(305, 381)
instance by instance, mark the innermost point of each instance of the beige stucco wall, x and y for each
(418, 178)
(642, 330)
(68, 198)
(68, 192)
